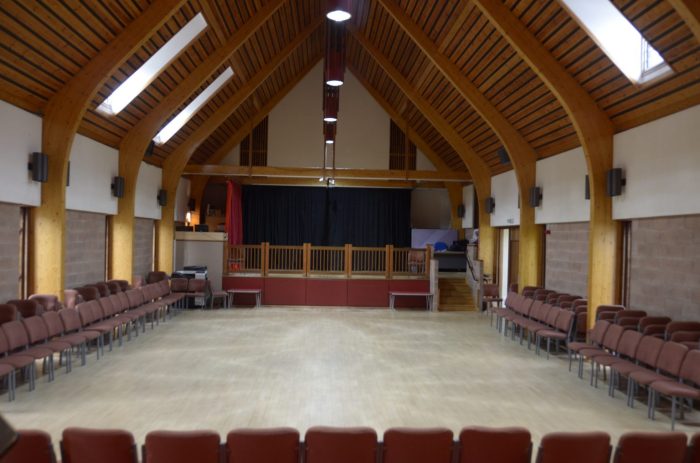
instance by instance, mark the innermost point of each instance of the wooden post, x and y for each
(428, 258)
(307, 259)
(265, 264)
(348, 260)
(389, 261)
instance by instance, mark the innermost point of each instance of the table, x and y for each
(428, 298)
(233, 292)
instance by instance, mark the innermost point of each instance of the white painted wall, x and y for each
(93, 167)
(295, 137)
(504, 189)
(422, 161)
(20, 135)
(563, 182)
(430, 208)
(468, 194)
(661, 161)
(233, 158)
(183, 197)
(147, 186)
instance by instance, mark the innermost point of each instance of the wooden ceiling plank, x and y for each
(689, 11)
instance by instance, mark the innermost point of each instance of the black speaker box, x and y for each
(460, 211)
(503, 155)
(39, 165)
(162, 198)
(535, 196)
(615, 182)
(118, 187)
(588, 188)
(490, 204)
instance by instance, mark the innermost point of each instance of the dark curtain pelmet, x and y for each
(326, 216)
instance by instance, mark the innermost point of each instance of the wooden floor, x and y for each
(297, 367)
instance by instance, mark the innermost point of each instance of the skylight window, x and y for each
(149, 70)
(619, 39)
(186, 114)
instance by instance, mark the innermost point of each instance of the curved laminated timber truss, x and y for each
(464, 78)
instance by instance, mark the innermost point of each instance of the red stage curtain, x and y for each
(234, 213)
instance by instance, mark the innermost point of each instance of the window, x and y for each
(186, 114)
(258, 148)
(144, 75)
(619, 39)
(402, 152)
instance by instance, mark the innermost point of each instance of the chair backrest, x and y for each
(81, 445)
(648, 350)
(277, 445)
(114, 287)
(681, 326)
(85, 312)
(103, 288)
(178, 285)
(629, 314)
(124, 300)
(612, 337)
(8, 313)
(117, 305)
(581, 323)
(489, 290)
(196, 285)
(564, 321)
(629, 343)
(536, 309)
(50, 302)
(123, 284)
(552, 316)
(27, 307)
(525, 306)
(88, 293)
(607, 308)
(16, 335)
(585, 447)
(36, 329)
(403, 445)
(651, 447)
(106, 306)
(54, 326)
(70, 318)
(647, 321)
(598, 332)
(340, 445)
(495, 445)
(553, 297)
(31, 446)
(135, 297)
(544, 311)
(182, 447)
(671, 358)
(155, 277)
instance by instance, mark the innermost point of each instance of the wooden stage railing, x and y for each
(265, 259)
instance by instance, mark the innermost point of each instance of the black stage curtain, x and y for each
(326, 216)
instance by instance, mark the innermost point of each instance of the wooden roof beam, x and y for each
(689, 11)
(522, 155)
(62, 116)
(480, 173)
(178, 159)
(137, 139)
(595, 131)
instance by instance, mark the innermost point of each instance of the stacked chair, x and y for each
(353, 445)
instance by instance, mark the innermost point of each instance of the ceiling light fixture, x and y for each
(144, 75)
(331, 102)
(338, 10)
(186, 114)
(329, 133)
(334, 70)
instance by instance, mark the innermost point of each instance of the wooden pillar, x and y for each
(389, 261)
(530, 261)
(121, 225)
(348, 260)
(165, 236)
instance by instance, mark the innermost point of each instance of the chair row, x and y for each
(72, 331)
(664, 368)
(353, 445)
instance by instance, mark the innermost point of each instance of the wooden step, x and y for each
(456, 308)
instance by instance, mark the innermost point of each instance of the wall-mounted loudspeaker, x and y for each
(588, 188)
(615, 182)
(490, 204)
(162, 198)
(149, 150)
(460, 211)
(118, 187)
(39, 166)
(535, 196)
(191, 205)
(68, 175)
(503, 155)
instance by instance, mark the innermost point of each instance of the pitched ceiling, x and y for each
(43, 44)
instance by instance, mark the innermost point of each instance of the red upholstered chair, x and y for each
(50, 302)
(668, 366)
(182, 447)
(155, 277)
(689, 388)
(81, 445)
(8, 313)
(495, 445)
(276, 445)
(340, 445)
(586, 447)
(651, 447)
(54, 328)
(123, 284)
(403, 445)
(10, 363)
(103, 288)
(31, 447)
(694, 449)
(38, 336)
(88, 293)
(27, 307)
(17, 342)
(70, 318)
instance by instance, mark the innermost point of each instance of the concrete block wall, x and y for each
(143, 246)
(664, 267)
(9, 251)
(566, 260)
(85, 248)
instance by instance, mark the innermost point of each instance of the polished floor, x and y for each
(297, 367)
